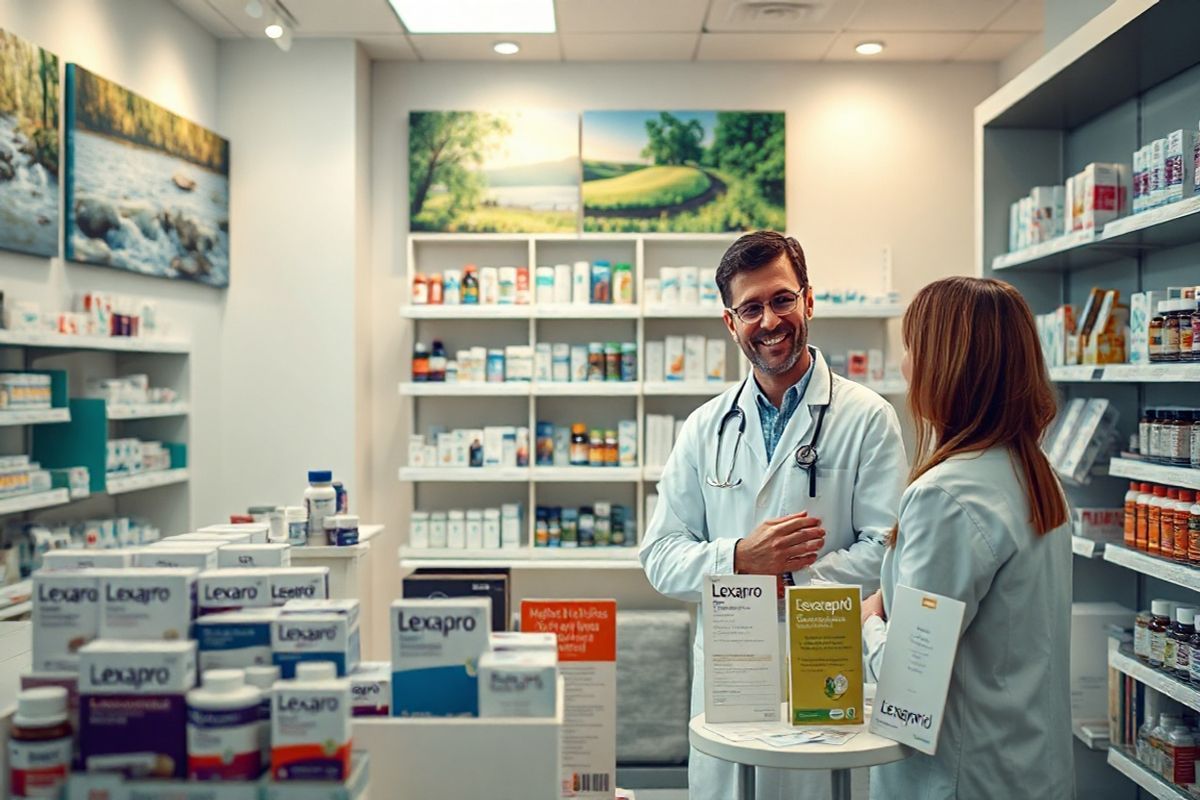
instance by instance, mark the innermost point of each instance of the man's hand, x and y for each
(873, 606)
(780, 545)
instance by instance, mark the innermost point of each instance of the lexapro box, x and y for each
(371, 689)
(146, 603)
(298, 583)
(87, 558)
(436, 645)
(255, 555)
(235, 639)
(315, 637)
(233, 589)
(132, 709)
(66, 616)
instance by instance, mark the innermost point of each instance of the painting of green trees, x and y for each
(493, 172)
(683, 172)
(29, 92)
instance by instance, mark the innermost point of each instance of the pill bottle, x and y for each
(420, 363)
(1166, 524)
(451, 287)
(330, 524)
(580, 450)
(1181, 749)
(320, 501)
(1130, 531)
(263, 678)
(470, 286)
(1170, 329)
(1156, 332)
(420, 289)
(1144, 433)
(1182, 511)
(1176, 654)
(223, 728)
(39, 744)
(1194, 448)
(1194, 533)
(436, 295)
(1185, 422)
(1141, 636)
(347, 529)
(1154, 525)
(1193, 658)
(1160, 620)
(1143, 515)
(596, 449)
(1195, 334)
(296, 523)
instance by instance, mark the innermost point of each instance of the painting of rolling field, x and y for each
(683, 171)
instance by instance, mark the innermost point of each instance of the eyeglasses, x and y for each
(782, 303)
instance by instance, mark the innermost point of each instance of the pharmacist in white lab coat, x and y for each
(757, 510)
(983, 521)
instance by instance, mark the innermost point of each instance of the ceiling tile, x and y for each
(628, 46)
(927, 15)
(993, 46)
(741, 16)
(388, 48)
(633, 16)
(209, 18)
(478, 47)
(901, 46)
(1024, 15)
(763, 46)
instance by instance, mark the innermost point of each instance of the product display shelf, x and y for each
(586, 311)
(35, 501)
(122, 411)
(120, 344)
(585, 474)
(686, 388)
(34, 416)
(1127, 373)
(1084, 547)
(1124, 661)
(652, 473)
(468, 389)
(821, 311)
(587, 389)
(145, 480)
(15, 602)
(1179, 574)
(1124, 761)
(524, 557)
(465, 474)
(1135, 470)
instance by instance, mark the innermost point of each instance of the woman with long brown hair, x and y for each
(982, 521)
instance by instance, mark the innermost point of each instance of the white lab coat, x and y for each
(965, 533)
(860, 475)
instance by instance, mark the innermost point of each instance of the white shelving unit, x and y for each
(1127, 373)
(1126, 662)
(566, 403)
(1135, 470)
(1152, 566)
(39, 416)
(34, 502)
(1087, 548)
(1123, 760)
(146, 480)
(526, 558)
(124, 411)
(117, 344)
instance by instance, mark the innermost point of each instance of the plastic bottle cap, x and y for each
(41, 707)
(262, 677)
(320, 476)
(351, 520)
(1160, 491)
(224, 680)
(316, 671)
(1185, 615)
(1160, 608)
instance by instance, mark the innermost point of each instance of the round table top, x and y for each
(864, 750)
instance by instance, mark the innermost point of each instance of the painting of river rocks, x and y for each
(146, 190)
(28, 147)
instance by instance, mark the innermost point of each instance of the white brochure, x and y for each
(741, 649)
(921, 642)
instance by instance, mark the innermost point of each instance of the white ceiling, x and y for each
(676, 30)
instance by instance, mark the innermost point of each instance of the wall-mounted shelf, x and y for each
(464, 474)
(586, 474)
(1134, 470)
(1179, 574)
(1087, 548)
(531, 558)
(466, 312)
(467, 389)
(120, 344)
(652, 473)
(587, 311)
(1127, 373)
(686, 388)
(1125, 662)
(38, 416)
(123, 411)
(35, 501)
(588, 389)
(1123, 760)
(145, 480)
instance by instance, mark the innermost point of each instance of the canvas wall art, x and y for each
(146, 190)
(484, 172)
(683, 171)
(29, 94)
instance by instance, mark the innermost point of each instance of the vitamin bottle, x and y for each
(1158, 741)
(263, 678)
(470, 286)
(1143, 737)
(39, 744)
(420, 289)
(1194, 658)
(1144, 433)
(1156, 439)
(1130, 538)
(1181, 750)
(1195, 331)
(1194, 533)
(1185, 419)
(1156, 332)
(320, 501)
(1182, 511)
(1141, 636)
(1154, 514)
(1160, 620)
(451, 287)
(223, 728)
(1187, 341)
(435, 290)
(596, 449)
(580, 450)
(437, 362)
(1170, 330)
(1166, 524)
(1195, 444)
(1143, 516)
(420, 363)
(1176, 656)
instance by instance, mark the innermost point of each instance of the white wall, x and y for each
(877, 155)
(152, 48)
(288, 354)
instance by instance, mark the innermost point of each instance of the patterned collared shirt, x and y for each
(775, 420)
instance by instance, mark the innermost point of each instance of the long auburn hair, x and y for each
(979, 381)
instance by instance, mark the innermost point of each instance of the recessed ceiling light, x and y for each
(869, 48)
(476, 16)
(254, 9)
(274, 30)
(507, 48)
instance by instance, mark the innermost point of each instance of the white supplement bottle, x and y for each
(295, 521)
(263, 679)
(39, 744)
(223, 728)
(320, 501)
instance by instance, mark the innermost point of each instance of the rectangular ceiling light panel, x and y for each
(476, 16)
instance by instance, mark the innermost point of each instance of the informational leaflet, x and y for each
(824, 651)
(922, 639)
(587, 661)
(741, 649)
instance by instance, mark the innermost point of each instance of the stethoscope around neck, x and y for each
(806, 455)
